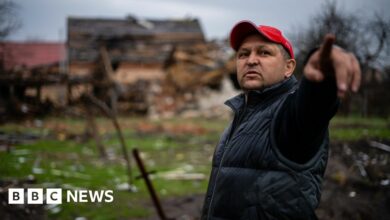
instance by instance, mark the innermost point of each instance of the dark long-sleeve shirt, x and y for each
(304, 119)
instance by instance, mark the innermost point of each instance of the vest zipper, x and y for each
(236, 122)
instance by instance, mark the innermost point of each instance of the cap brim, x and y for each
(241, 30)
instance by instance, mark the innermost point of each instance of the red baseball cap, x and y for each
(243, 28)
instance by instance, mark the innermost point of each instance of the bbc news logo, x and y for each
(54, 196)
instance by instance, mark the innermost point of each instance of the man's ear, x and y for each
(290, 67)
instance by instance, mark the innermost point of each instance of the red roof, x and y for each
(31, 54)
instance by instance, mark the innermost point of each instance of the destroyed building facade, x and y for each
(138, 49)
(154, 65)
(159, 67)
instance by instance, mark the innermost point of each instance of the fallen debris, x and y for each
(356, 182)
(181, 175)
(380, 146)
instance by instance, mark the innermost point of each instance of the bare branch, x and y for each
(9, 20)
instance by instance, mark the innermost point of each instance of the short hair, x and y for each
(284, 52)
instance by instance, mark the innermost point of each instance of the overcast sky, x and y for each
(46, 19)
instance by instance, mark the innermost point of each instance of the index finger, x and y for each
(357, 74)
(325, 52)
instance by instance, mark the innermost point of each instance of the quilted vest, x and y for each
(250, 178)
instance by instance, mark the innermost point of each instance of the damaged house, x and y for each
(144, 66)
(154, 67)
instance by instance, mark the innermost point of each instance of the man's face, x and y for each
(260, 63)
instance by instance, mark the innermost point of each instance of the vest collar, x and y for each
(255, 96)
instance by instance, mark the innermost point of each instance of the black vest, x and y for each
(250, 178)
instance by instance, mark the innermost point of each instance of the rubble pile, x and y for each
(195, 75)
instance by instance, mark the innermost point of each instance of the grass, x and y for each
(357, 128)
(60, 158)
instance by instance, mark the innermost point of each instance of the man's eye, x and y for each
(242, 55)
(264, 52)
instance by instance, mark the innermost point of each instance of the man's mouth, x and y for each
(251, 74)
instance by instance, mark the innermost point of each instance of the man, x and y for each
(270, 161)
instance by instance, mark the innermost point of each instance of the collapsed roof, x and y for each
(129, 40)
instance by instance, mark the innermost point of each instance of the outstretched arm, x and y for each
(329, 73)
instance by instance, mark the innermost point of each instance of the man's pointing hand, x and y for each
(332, 61)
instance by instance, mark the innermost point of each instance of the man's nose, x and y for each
(252, 59)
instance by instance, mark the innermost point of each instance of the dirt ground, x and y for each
(357, 182)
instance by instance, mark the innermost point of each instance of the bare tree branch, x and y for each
(367, 38)
(9, 20)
